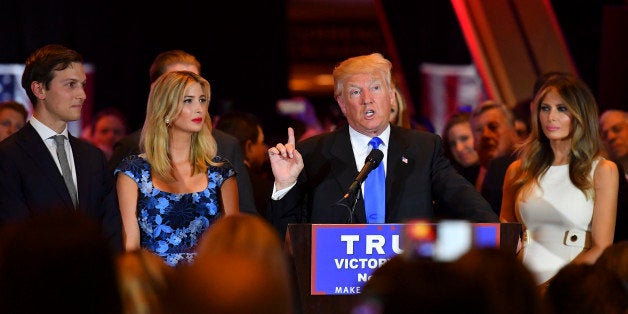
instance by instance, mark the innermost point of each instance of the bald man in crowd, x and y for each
(614, 130)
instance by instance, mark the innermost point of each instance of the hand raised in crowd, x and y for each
(286, 162)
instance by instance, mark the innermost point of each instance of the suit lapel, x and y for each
(344, 168)
(81, 165)
(33, 146)
(343, 162)
(398, 165)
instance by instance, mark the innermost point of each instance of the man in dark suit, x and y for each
(31, 180)
(247, 128)
(228, 145)
(614, 129)
(494, 137)
(311, 178)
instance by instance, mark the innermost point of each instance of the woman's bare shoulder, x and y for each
(606, 169)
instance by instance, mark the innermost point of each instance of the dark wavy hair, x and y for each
(586, 145)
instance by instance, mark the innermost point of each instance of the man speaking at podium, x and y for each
(315, 180)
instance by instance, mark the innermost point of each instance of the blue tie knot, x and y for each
(375, 142)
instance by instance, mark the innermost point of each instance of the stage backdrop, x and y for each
(448, 88)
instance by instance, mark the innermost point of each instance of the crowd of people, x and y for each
(188, 214)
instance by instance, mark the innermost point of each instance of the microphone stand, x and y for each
(349, 201)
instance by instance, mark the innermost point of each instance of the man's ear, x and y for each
(247, 147)
(38, 89)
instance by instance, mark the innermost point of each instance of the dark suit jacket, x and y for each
(493, 185)
(262, 189)
(418, 175)
(470, 173)
(621, 225)
(228, 147)
(31, 183)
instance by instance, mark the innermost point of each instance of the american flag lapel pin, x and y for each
(404, 159)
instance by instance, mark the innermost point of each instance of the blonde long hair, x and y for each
(536, 154)
(164, 105)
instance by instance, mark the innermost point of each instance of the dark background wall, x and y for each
(242, 45)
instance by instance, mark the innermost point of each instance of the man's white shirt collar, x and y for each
(361, 147)
(44, 131)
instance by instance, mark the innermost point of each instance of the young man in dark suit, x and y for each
(311, 178)
(228, 145)
(31, 176)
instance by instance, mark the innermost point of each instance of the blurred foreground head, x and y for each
(57, 262)
(240, 268)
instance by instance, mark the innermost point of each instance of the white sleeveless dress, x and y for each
(556, 221)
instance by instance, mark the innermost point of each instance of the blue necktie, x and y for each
(375, 190)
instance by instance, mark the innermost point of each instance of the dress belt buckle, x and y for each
(577, 238)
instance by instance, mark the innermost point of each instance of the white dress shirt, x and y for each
(46, 135)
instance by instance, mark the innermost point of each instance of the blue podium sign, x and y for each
(345, 255)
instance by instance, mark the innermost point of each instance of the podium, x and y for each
(298, 244)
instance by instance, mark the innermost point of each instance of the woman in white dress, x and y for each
(561, 188)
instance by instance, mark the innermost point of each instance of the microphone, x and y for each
(371, 162)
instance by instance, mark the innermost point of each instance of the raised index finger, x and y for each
(291, 136)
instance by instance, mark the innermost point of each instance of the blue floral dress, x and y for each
(171, 224)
